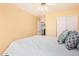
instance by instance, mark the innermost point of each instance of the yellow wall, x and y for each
(51, 19)
(14, 24)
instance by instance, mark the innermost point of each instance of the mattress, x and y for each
(39, 46)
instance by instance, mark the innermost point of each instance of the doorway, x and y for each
(41, 27)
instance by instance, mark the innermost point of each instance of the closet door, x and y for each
(61, 24)
(71, 23)
(66, 22)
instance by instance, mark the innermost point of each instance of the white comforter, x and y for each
(39, 46)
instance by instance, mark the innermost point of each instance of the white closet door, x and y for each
(66, 22)
(61, 25)
(71, 22)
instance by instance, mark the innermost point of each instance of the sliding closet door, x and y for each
(61, 25)
(66, 22)
(71, 22)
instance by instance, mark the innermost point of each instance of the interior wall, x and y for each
(14, 24)
(51, 19)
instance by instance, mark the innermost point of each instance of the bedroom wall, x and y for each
(14, 24)
(51, 19)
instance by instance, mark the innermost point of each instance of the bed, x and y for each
(39, 46)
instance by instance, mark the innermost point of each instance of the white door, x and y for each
(71, 22)
(61, 25)
(66, 22)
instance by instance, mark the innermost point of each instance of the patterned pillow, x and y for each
(63, 36)
(72, 40)
(78, 46)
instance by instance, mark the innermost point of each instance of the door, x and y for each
(71, 23)
(61, 25)
(66, 22)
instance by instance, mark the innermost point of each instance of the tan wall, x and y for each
(51, 19)
(14, 24)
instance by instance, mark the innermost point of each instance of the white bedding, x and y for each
(39, 46)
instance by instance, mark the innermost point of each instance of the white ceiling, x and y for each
(33, 7)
